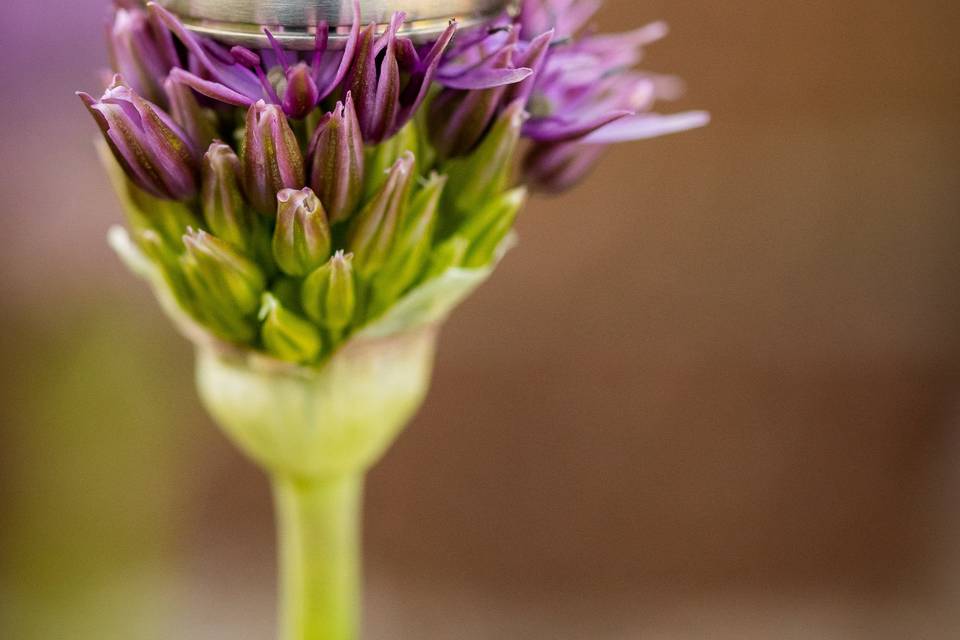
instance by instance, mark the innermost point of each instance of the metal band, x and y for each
(294, 22)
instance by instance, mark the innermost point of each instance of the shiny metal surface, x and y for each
(294, 22)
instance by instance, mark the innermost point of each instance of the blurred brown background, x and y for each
(714, 394)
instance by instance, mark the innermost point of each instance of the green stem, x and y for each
(318, 533)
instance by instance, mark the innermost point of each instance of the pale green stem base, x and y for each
(318, 537)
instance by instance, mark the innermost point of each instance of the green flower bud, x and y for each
(226, 286)
(167, 261)
(382, 157)
(487, 229)
(301, 240)
(476, 178)
(286, 335)
(329, 294)
(224, 208)
(412, 247)
(373, 230)
(169, 218)
(287, 291)
(448, 255)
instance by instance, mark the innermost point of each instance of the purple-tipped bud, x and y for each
(301, 240)
(198, 123)
(555, 167)
(363, 82)
(271, 157)
(375, 228)
(301, 94)
(152, 149)
(224, 209)
(142, 51)
(336, 161)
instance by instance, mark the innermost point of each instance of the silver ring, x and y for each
(294, 22)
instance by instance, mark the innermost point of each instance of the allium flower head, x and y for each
(284, 201)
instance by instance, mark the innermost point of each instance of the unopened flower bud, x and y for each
(152, 149)
(142, 51)
(198, 123)
(224, 209)
(300, 94)
(271, 157)
(168, 218)
(226, 286)
(487, 228)
(301, 240)
(448, 255)
(336, 161)
(329, 293)
(557, 166)
(487, 171)
(374, 229)
(412, 247)
(285, 334)
(167, 262)
(380, 158)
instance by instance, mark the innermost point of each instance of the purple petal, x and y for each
(556, 129)
(651, 125)
(486, 78)
(211, 89)
(235, 76)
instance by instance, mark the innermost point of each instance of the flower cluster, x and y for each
(287, 199)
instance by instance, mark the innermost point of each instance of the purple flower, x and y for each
(152, 149)
(142, 51)
(241, 77)
(586, 96)
(478, 77)
(578, 87)
(388, 93)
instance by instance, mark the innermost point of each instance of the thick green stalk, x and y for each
(318, 536)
